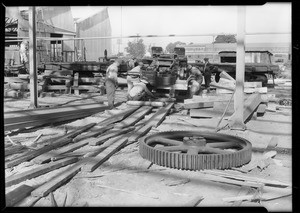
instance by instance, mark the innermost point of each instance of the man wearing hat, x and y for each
(133, 76)
(207, 74)
(111, 82)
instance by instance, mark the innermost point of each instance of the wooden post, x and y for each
(32, 58)
(75, 83)
(237, 120)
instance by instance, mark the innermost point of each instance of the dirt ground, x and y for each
(126, 179)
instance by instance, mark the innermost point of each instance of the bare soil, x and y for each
(126, 179)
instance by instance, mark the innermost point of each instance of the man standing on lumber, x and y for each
(194, 80)
(111, 82)
(207, 74)
(133, 76)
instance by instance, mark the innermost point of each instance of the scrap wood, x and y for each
(196, 104)
(225, 110)
(243, 191)
(126, 191)
(17, 194)
(15, 179)
(134, 118)
(263, 181)
(194, 202)
(12, 142)
(34, 153)
(160, 115)
(53, 201)
(178, 182)
(57, 142)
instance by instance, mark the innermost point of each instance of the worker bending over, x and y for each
(111, 82)
(194, 80)
(133, 76)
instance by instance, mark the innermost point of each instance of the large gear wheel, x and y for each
(194, 150)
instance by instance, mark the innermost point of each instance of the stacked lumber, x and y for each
(104, 139)
(42, 116)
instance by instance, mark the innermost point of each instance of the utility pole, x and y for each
(32, 58)
(237, 120)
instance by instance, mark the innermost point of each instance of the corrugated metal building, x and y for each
(97, 25)
(56, 22)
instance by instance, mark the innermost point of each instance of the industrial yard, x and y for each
(227, 145)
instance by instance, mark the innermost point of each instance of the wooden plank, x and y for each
(118, 117)
(17, 195)
(58, 142)
(194, 202)
(109, 134)
(146, 103)
(14, 80)
(41, 111)
(134, 118)
(57, 181)
(206, 113)
(159, 116)
(94, 132)
(32, 154)
(46, 157)
(253, 84)
(143, 130)
(13, 150)
(15, 179)
(44, 114)
(194, 104)
(56, 87)
(251, 104)
(261, 109)
(95, 162)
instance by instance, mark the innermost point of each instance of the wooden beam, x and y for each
(15, 179)
(94, 162)
(134, 118)
(51, 113)
(57, 181)
(146, 103)
(110, 134)
(94, 132)
(75, 83)
(160, 115)
(13, 150)
(118, 117)
(32, 58)
(195, 104)
(237, 121)
(17, 195)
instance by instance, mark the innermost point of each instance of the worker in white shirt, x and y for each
(194, 80)
(24, 52)
(111, 82)
(133, 76)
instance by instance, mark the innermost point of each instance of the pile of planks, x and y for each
(102, 139)
(41, 116)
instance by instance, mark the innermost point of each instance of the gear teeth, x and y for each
(184, 161)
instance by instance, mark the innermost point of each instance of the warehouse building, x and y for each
(97, 25)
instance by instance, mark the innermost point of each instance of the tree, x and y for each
(225, 39)
(136, 48)
(170, 47)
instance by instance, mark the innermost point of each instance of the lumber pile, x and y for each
(103, 140)
(41, 116)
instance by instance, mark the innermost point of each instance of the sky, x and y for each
(193, 20)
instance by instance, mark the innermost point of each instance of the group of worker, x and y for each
(137, 87)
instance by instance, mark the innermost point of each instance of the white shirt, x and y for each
(112, 72)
